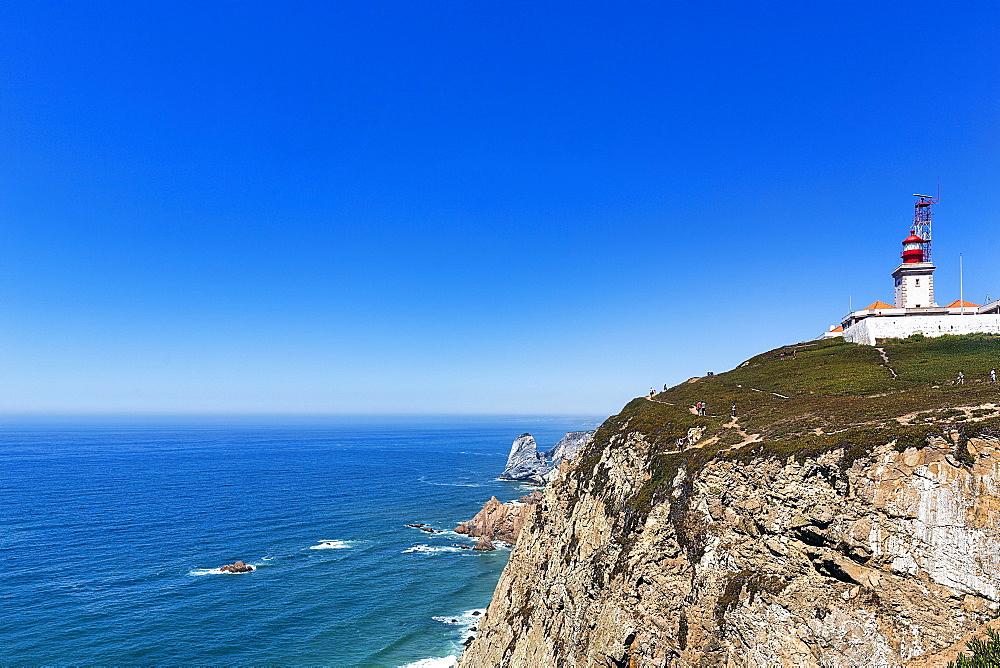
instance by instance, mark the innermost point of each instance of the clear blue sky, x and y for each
(467, 207)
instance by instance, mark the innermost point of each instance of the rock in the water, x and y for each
(237, 567)
(524, 461)
(484, 544)
(526, 464)
(501, 521)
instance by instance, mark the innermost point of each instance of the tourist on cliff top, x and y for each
(734, 411)
(961, 379)
(993, 375)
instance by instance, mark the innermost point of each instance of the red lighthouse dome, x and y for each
(913, 248)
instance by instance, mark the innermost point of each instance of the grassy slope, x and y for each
(839, 396)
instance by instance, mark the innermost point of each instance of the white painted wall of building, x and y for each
(870, 330)
(914, 286)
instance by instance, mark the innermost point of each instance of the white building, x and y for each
(914, 310)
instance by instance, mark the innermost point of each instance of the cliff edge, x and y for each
(846, 516)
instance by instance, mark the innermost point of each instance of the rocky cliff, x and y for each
(848, 516)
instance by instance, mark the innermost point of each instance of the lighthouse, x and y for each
(914, 277)
(915, 311)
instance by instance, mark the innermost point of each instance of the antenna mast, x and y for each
(922, 214)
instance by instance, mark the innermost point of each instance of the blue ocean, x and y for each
(112, 534)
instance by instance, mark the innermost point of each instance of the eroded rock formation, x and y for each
(500, 521)
(525, 463)
(832, 560)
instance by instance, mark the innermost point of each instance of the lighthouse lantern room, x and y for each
(914, 277)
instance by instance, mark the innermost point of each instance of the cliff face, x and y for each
(823, 527)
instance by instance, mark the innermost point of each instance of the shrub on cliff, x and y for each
(985, 654)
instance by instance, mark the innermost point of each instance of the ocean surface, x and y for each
(111, 535)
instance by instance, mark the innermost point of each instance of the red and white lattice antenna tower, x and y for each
(922, 214)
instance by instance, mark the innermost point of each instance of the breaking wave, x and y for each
(443, 662)
(333, 544)
(215, 571)
(424, 480)
(428, 548)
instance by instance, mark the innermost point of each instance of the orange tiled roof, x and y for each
(958, 303)
(879, 304)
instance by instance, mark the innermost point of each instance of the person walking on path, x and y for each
(734, 411)
(993, 375)
(651, 392)
(961, 378)
(793, 354)
(782, 356)
(664, 387)
(704, 408)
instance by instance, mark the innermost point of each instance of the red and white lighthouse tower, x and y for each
(915, 275)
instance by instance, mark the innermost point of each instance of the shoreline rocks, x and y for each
(500, 521)
(484, 544)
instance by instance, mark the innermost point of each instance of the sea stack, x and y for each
(526, 464)
(524, 461)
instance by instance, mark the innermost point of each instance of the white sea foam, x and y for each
(443, 662)
(449, 532)
(467, 618)
(464, 622)
(428, 548)
(333, 544)
(448, 484)
(214, 571)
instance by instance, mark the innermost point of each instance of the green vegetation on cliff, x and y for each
(823, 396)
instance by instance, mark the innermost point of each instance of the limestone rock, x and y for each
(526, 464)
(568, 446)
(524, 461)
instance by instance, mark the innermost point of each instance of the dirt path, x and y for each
(885, 358)
(747, 438)
(659, 401)
(766, 392)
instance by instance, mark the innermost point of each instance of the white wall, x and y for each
(870, 330)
